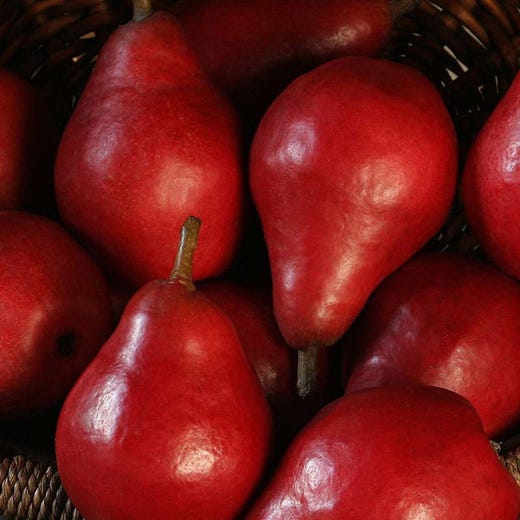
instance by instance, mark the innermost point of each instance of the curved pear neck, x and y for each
(142, 9)
(183, 268)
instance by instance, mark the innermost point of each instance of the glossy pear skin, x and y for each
(491, 183)
(392, 453)
(249, 305)
(169, 420)
(28, 142)
(283, 39)
(56, 313)
(353, 169)
(154, 142)
(444, 320)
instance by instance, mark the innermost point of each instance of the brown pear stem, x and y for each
(400, 7)
(142, 9)
(306, 371)
(183, 267)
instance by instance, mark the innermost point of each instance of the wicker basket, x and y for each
(470, 49)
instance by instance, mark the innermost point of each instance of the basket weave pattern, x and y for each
(33, 491)
(470, 50)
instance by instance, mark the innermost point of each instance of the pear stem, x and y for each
(306, 371)
(183, 268)
(142, 9)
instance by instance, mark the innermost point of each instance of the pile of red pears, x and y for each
(326, 365)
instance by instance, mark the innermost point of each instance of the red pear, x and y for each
(151, 142)
(391, 453)
(353, 168)
(253, 48)
(491, 183)
(28, 142)
(249, 305)
(444, 320)
(56, 313)
(169, 420)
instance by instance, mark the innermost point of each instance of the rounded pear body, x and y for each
(446, 320)
(395, 453)
(253, 49)
(56, 313)
(169, 421)
(154, 142)
(353, 168)
(491, 183)
(28, 143)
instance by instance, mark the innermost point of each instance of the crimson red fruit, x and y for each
(353, 168)
(56, 313)
(252, 49)
(491, 183)
(169, 420)
(28, 142)
(445, 320)
(391, 453)
(151, 142)
(249, 305)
